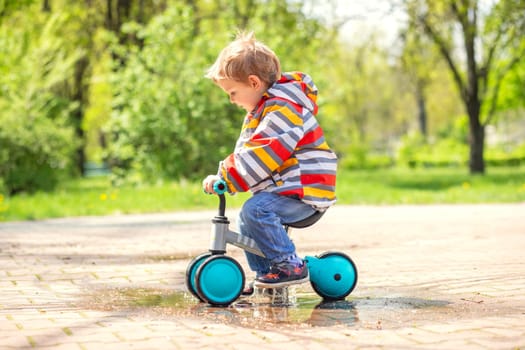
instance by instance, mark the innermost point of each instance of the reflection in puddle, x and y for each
(304, 309)
(305, 312)
(330, 313)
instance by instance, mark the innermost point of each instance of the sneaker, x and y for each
(283, 274)
(248, 290)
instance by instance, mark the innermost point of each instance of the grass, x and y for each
(431, 186)
(95, 196)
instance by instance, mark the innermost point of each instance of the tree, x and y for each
(369, 101)
(168, 120)
(481, 43)
(418, 61)
(87, 19)
(36, 138)
(8, 7)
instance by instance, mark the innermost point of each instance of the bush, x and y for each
(34, 154)
(410, 146)
(414, 151)
(366, 161)
(168, 121)
(36, 141)
(501, 156)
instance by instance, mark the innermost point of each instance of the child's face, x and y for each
(245, 95)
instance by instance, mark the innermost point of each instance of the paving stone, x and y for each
(430, 277)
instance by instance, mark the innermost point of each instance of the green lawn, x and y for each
(443, 185)
(95, 196)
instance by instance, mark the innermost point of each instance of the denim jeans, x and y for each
(261, 218)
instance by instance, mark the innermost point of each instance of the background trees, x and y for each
(37, 140)
(121, 83)
(481, 42)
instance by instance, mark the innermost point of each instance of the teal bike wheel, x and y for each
(333, 275)
(219, 280)
(191, 271)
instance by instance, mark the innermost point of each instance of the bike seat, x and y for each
(309, 221)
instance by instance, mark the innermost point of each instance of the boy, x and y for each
(281, 156)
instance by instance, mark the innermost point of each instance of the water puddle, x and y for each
(300, 309)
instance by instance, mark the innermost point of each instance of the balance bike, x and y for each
(217, 279)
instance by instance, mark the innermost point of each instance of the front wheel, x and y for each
(191, 271)
(333, 275)
(219, 280)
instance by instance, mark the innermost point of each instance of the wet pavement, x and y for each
(430, 277)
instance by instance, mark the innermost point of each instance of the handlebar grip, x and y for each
(220, 187)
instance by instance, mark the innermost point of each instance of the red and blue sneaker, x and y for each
(283, 274)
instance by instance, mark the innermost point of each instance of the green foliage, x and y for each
(492, 45)
(8, 7)
(168, 121)
(511, 94)
(36, 143)
(360, 98)
(415, 151)
(503, 156)
(409, 147)
(435, 185)
(366, 161)
(34, 152)
(130, 90)
(449, 148)
(99, 109)
(96, 196)
(359, 156)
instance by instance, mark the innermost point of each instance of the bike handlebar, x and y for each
(220, 187)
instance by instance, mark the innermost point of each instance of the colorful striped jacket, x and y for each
(282, 148)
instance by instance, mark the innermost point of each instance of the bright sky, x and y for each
(363, 16)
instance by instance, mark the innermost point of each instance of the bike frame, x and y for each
(222, 235)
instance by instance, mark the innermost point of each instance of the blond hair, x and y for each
(243, 57)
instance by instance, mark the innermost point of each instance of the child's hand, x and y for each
(207, 183)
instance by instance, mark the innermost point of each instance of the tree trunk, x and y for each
(421, 111)
(80, 96)
(109, 15)
(46, 6)
(476, 139)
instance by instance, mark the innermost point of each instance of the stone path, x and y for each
(430, 277)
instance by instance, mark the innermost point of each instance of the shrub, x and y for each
(504, 156)
(35, 152)
(414, 152)
(168, 121)
(36, 141)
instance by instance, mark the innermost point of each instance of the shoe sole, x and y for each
(260, 284)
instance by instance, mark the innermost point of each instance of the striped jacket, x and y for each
(282, 148)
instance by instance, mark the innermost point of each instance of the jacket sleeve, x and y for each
(265, 150)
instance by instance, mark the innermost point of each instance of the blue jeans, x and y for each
(262, 218)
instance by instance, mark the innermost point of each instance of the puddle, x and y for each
(303, 309)
(400, 303)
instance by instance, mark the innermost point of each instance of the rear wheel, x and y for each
(333, 275)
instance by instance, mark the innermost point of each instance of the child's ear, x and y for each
(254, 81)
